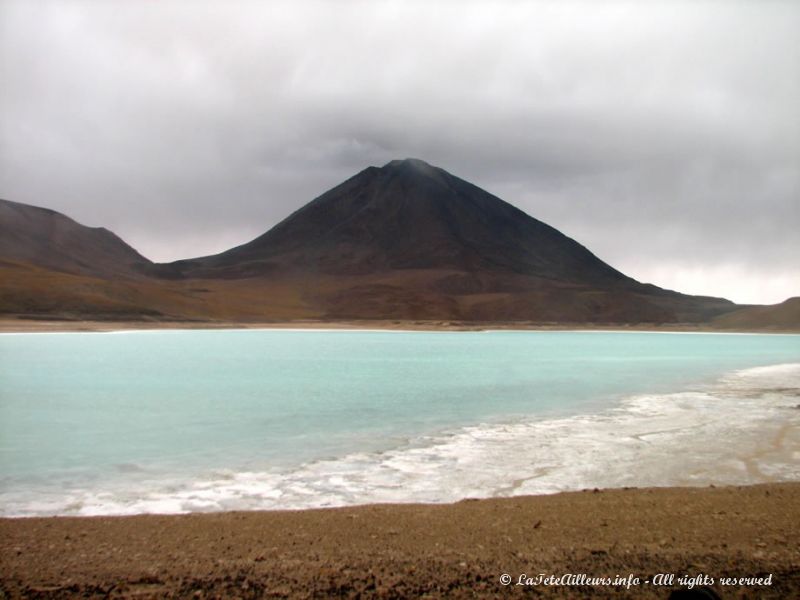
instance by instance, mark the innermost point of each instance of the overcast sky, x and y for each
(665, 137)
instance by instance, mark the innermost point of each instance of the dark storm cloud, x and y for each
(663, 136)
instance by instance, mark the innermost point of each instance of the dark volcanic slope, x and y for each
(48, 239)
(410, 215)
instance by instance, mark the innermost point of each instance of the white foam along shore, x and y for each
(742, 429)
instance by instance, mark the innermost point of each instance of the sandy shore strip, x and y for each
(401, 551)
(26, 325)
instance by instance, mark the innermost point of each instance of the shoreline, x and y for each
(17, 325)
(409, 550)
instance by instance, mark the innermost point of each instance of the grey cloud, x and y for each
(656, 133)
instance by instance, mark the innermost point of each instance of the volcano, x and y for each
(410, 240)
(404, 241)
(409, 215)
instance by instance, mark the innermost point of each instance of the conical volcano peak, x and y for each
(408, 162)
(414, 169)
(410, 215)
(411, 164)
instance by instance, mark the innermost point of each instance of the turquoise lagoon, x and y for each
(183, 421)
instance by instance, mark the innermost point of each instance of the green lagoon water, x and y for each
(178, 421)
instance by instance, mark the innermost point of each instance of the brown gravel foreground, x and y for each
(407, 551)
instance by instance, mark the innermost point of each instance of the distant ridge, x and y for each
(406, 241)
(778, 317)
(49, 239)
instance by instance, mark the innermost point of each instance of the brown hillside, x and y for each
(46, 238)
(783, 316)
